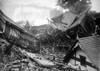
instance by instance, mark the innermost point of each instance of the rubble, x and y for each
(21, 60)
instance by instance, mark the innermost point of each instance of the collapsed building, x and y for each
(15, 35)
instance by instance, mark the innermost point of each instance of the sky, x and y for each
(95, 5)
(35, 11)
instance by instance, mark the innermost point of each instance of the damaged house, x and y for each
(85, 54)
(15, 35)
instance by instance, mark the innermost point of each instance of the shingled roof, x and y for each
(91, 45)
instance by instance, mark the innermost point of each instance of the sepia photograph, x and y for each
(49, 35)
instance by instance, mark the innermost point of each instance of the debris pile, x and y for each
(21, 60)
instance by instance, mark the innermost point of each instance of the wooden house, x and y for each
(15, 34)
(85, 54)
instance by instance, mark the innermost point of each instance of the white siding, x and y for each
(80, 52)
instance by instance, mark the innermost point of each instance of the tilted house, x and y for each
(85, 53)
(15, 34)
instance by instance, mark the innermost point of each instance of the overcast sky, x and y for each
(95, 5)
(36, 11)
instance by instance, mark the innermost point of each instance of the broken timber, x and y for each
(38, 59)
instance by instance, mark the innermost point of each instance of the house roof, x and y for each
(13, 24)
(91, 45)
(64, 21)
